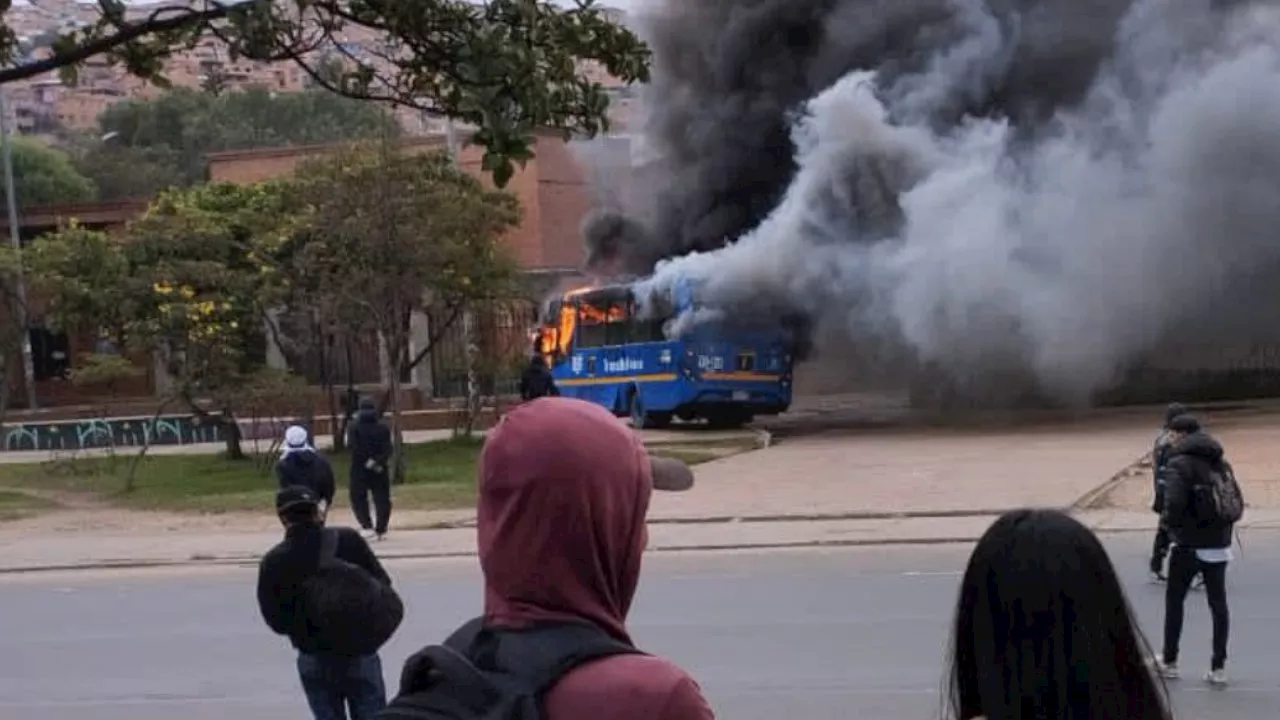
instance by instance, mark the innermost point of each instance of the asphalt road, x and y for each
(800, 634)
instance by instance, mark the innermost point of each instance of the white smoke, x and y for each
(1072, 250)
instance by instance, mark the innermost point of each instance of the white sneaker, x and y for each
(1216, 678)
(1166, 671)
(368, 534)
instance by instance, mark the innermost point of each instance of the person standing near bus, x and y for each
(370, 442)
(536, 380)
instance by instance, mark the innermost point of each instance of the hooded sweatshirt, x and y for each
(302, 465)
(370, 440)
(1191, 462)
(573, 461)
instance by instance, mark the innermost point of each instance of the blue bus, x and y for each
(601, 349)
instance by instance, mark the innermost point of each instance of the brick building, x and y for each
(552, 192)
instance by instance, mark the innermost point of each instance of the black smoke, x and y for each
(730, 77)
(1003, 188)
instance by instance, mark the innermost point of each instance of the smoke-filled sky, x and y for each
(1054, 185)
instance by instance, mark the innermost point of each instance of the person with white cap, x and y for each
(301, 466)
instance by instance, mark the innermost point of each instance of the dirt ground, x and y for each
(1251, 445)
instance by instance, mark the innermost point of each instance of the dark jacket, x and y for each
(309, 469)
(284, 568)
(369, 439)
(1186, 476)
(536, 381)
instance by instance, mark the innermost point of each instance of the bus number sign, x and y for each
(709, 362)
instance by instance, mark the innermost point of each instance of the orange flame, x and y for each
(555, 336)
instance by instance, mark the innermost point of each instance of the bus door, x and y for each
(588, 352)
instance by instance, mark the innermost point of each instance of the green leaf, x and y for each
(507, 67)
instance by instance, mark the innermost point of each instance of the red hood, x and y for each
(564, 488)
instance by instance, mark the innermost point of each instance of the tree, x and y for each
(43, 175)
(123, 172)
(183, 284)
(196, 249)
(12, 332)
(388, 234)
(151, 145)
(509, 67)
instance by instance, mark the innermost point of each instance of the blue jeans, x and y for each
(334, 684)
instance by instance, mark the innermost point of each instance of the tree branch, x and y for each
(434, 339)
(154, 23)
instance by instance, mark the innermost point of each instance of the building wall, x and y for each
(550, 188)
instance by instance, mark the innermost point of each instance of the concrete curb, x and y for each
(251, 561)
(781, 517)
(816, 543)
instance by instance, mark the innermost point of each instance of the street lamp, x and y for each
(15, 239)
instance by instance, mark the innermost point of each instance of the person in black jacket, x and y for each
(1201, 542)
(370, 443)
(1159, 458)
(331, 683)
(536, 380)
(301, 465)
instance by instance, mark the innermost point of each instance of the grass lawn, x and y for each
(441, 475)
(14, 505)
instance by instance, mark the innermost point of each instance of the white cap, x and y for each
(295, 436)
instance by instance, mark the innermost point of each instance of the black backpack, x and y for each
(487, 674)
(347, 610)
(1220, 500)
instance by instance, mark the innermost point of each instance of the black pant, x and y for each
(1160, 548)
(1183, 567)
(363, 484)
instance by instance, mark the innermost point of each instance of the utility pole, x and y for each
(15, 239)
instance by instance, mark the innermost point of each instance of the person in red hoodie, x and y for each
(564, 489)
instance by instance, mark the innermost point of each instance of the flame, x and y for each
(553, 338)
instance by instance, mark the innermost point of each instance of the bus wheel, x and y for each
(642, 420)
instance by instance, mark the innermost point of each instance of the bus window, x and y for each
(591, 326)
(616, 330)
(648, 328)
(603, 320)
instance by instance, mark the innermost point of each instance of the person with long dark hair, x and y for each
(1043, 630)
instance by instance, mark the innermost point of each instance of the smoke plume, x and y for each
(992, 186)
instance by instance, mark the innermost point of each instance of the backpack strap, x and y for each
(328, 547)
(543, 653)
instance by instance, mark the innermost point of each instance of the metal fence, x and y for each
(502, 334)
(313, 352)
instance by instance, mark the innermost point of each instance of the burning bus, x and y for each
(606, 346)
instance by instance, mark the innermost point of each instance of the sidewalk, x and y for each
(861, 486)
(411, 437)
(71, 553)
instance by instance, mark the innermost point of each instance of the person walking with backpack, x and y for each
(370, 442)
(563, 491)
(1202, 504)
(325, 590)
(301, 465)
